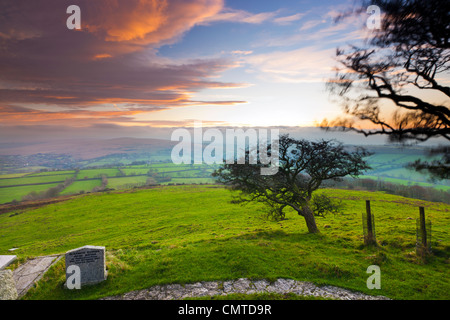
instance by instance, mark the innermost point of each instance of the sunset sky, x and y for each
(166, 63)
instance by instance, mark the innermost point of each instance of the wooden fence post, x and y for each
(423, 247)
(423, 229)
(368, 226)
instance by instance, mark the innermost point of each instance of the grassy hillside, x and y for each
(185, 234)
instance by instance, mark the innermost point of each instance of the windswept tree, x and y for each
(396, 85)
(303, 166)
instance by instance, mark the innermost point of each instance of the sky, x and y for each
(141, 64)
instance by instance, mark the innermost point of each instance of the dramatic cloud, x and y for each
(136, 22)
(112, 60)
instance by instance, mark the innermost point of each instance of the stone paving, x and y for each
(31, 271)
(6, 261)
(8, 289)
(245, 286)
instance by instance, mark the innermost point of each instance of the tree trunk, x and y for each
(310, 220)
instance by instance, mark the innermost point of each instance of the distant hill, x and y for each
(85, 149)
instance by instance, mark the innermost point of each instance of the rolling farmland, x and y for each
(17, 186)
(120, 172)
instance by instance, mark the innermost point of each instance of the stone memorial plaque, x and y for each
(91, 263)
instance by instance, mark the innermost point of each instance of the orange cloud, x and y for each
(102, 56)
(124, 25)
(112, 60)
(146, 22)
(20, 114)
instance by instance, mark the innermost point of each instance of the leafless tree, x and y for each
(404, 67)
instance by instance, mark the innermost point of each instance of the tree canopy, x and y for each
(405, 68)
(303, 165)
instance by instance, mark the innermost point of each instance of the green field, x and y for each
(387, 165)
(114, 159)
(189, 181)
(87, 179)
(81, 186)
(408, 182)
(123, 183)
(51, 173)
(11, 175)
(132, 171)
(16, 193)
(31, 169)
(174, 169)
(35, 180)
(18, 187)
(186, 234)
(95, 173)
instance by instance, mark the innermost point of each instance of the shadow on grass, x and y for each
(282, 236)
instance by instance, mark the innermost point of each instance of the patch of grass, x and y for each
(95, 173)
(51, 173)
(12, 175)
(407, 182)
(34, 180)
(135, 171)
(121, 183)
(16, 193)
(81, 185)
(190, 180)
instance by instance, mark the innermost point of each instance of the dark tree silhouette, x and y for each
(303, 165)
(401, 68)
